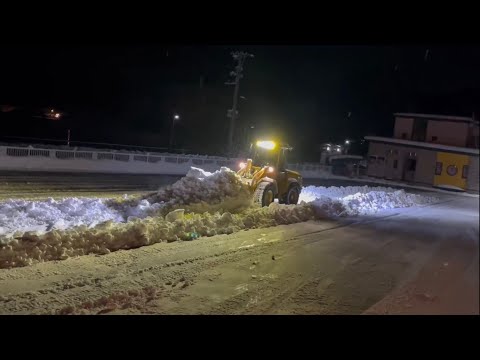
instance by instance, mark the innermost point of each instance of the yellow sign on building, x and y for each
(451, 170)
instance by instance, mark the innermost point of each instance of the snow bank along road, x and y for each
(407, 262)
(369, 250)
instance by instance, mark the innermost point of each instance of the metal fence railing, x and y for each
(44, 153)
(12, 151)
(146, 158)
(64, 154)
(143, 158)
(83, 155)
(16, 152)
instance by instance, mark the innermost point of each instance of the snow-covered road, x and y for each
(410, 260)
(344, 250)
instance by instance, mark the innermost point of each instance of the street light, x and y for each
(175, 117)
(347, 142)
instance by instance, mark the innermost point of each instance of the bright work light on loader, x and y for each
(268, 145)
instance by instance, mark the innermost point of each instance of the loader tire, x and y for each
(264, 195)
(292, 195)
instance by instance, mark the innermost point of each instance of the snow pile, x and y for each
(42, 216)
(140, 209)
(373, 201)
(359, 200)
(19, 216)
(310, 193)
(198, 191)
(224, 187)
(111, 236)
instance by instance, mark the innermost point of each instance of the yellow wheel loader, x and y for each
(266, 174)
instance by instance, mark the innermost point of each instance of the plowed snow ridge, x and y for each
(213, 203)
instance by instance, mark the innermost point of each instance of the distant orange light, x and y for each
(57, 115)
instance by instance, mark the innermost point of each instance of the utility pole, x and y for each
(239, 57)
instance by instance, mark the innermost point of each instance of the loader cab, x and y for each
(267, 153)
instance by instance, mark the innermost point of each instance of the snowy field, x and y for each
(199, 204)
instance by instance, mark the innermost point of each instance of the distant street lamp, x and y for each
(175, 118)
(347, 147)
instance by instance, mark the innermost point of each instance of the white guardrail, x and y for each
(37, 159)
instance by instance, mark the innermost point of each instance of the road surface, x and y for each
(417, 260)
(36, 185)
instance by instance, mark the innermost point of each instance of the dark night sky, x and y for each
(127, 94)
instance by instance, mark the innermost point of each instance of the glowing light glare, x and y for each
(51, 110)
(328, 148)
(176, 116)
(347, 142)
(269, 145)
(57, 115)
(242, 165)
(270, 169)
(338, 149)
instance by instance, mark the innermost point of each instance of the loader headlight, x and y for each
(269, 145)
(242, 165)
